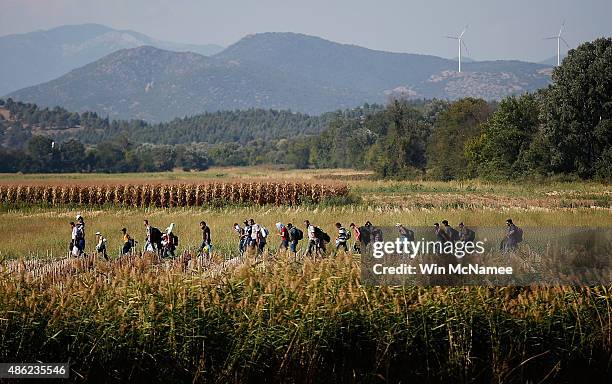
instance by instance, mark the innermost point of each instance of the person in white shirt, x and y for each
(255, 233)
(313, 241)
(101, 245)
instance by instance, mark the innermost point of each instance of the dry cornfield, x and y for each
(171, 195)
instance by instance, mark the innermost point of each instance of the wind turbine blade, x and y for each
(565, 42)
(465, 46)
(561, 29)
(464, 29)
(550, 38)
(456, 38)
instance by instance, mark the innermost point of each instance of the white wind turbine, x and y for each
(460, 42)
(559, 40)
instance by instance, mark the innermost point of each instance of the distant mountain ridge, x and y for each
(273, 70)
(39, 56)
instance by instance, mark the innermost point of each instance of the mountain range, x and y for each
(39, 56)
(272, 70)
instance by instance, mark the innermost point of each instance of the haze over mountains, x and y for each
(35, 57)
(272, 70)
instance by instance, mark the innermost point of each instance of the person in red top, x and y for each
(357, 237)
(284, 235)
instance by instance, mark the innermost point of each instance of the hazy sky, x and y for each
(509, 29)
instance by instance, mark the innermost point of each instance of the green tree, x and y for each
(499, 151)
(453, 128)
(72, 154)
(577, 111)
(401, 152)
(43, 153)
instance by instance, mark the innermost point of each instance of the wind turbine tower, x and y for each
(559, 40)
(460, 42)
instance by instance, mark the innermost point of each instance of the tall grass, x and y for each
(279, 320)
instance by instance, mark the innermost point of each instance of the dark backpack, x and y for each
(519, 235)
(471, 235)
(155, 235)
(175, 240)
(296, 234)
(409, 235)
(319, 234)
(454, 234)
(365, 235)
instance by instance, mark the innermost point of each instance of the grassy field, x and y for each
(305, 321)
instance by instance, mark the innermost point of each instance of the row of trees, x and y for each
(42, 154)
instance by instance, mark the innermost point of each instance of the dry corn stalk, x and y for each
(173, 195)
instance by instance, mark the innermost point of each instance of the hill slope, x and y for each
(152, 84)
(40, 56)
(273, 70)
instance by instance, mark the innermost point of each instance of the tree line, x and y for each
(562, 130)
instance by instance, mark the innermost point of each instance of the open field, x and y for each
(285, 320)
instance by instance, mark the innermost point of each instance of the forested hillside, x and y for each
(564, 130)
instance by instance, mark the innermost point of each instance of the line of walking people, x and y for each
(253, 236)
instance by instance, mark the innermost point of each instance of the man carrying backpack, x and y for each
(514, 235)
(263, 239)
(169, 242)
(366, 234)
(313, 241)
(128, 242)
(441, 235)
(80, 224)
(153, 238)
(342, 238)
(206, 244)
(404, 232)
(451, 233)
(295, 235)
(466, 234)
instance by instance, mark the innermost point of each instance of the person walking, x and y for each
(342, 238)
(73, 247)
(295, 235)
(153, 238)
(283, 232)
(313, 240)
(80, 234)
(466, 234)
(128, 242)
(149, 247)
(206, 245)
(440, 234)
(255, 233)
(240, 232)
(246, 237)
(356, 237)
(101, 245)
(404, 233)
(514, 235)
(451, 233)
(169, 242)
